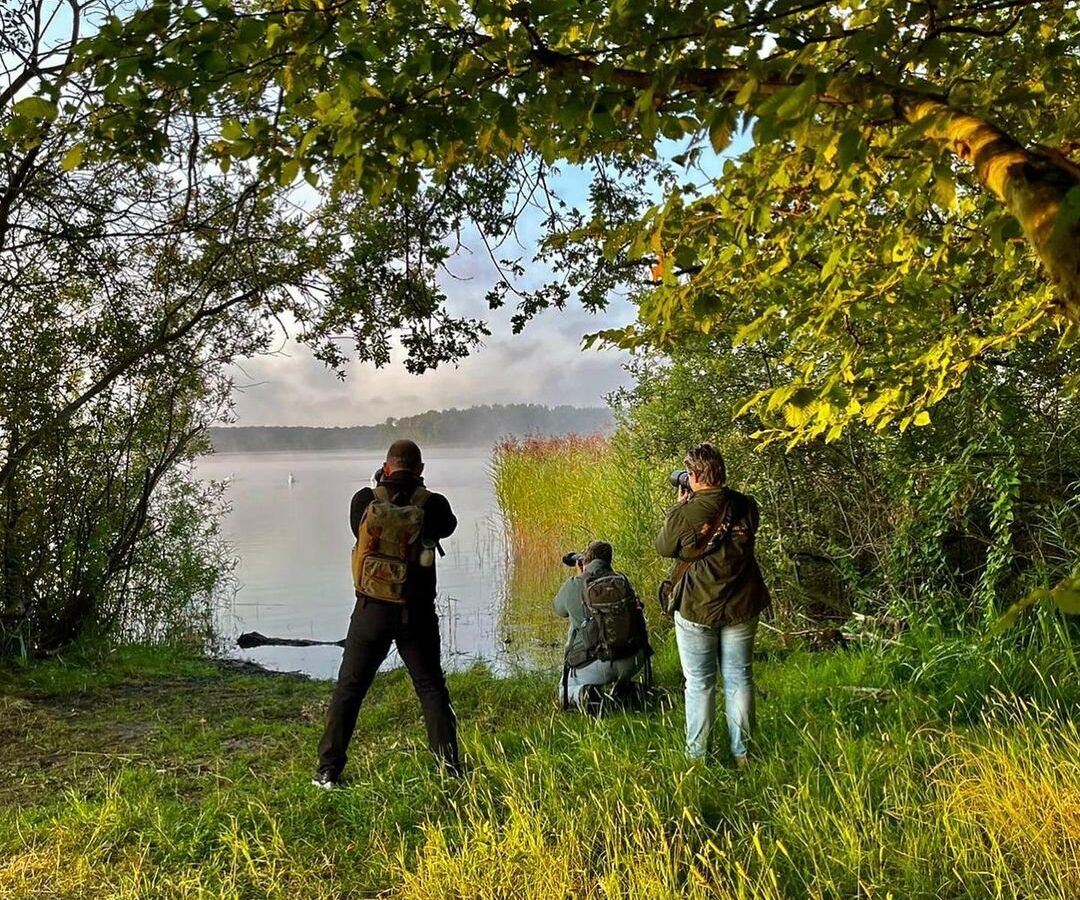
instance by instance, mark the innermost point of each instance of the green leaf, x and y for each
(746, 92)
(73, 158)
(685, 256)
(232, 130)
(289, 171)
(849, 148)
(35, 108)
(799, 101)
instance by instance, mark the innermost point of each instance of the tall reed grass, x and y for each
(556, 495)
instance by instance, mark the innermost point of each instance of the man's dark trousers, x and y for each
(372, 629)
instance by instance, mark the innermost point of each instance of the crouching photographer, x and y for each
(715, 595)
(608, 645)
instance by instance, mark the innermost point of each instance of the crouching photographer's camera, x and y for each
(571, 559)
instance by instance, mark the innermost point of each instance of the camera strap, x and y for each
(709, 536)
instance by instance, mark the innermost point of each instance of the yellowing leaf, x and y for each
(73, 158)
(1066, 596)
(289, 171)
(922, 418)
(720, 133)
(830, 264)
(746, 92)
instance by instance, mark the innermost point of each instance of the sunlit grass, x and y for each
(931, 768)
(1011, 802)
(961, 787)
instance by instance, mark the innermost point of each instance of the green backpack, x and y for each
(387, 543)
(614, 626)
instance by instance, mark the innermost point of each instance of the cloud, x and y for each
(544, 364)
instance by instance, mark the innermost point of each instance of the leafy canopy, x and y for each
(907, 213)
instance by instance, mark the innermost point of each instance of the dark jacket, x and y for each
(439, 522)
(726, 586)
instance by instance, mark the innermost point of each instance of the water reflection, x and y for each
(288, 524)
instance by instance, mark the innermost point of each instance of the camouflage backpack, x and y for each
(614, 626)
(387, 543)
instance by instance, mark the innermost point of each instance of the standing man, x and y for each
(397, 525)
(719, 596)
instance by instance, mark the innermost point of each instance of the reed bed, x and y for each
(556, 495)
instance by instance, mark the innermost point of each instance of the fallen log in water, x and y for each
(253, 639)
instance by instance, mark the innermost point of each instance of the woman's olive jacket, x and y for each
(724, 587)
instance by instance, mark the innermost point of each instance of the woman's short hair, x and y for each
(706, 464)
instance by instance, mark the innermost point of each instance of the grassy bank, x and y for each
(931, 770)
(928, 766)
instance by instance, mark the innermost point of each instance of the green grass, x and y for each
(556, 495)
(146, 774)
(931, 767)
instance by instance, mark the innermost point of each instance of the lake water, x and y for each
(293, 541)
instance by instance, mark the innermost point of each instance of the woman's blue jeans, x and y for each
(701, 651)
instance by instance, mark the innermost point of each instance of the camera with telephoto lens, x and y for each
(571, 559)
(680, 479)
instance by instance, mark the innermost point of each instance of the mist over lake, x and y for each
(293, 541)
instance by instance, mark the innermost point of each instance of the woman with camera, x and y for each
(715, 594)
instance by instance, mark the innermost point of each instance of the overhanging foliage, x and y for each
(908, 211)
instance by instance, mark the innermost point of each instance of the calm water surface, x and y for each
(293, 540)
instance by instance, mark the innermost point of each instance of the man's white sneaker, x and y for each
(325, 780)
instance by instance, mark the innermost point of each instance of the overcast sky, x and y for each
(544, 364)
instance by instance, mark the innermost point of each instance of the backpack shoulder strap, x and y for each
(381, 493)
(718, 526)
(420, 497)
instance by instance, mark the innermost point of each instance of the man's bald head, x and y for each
(404, 455)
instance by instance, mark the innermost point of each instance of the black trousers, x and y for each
(372, 629)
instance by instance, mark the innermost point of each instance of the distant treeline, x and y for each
(453, 427)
